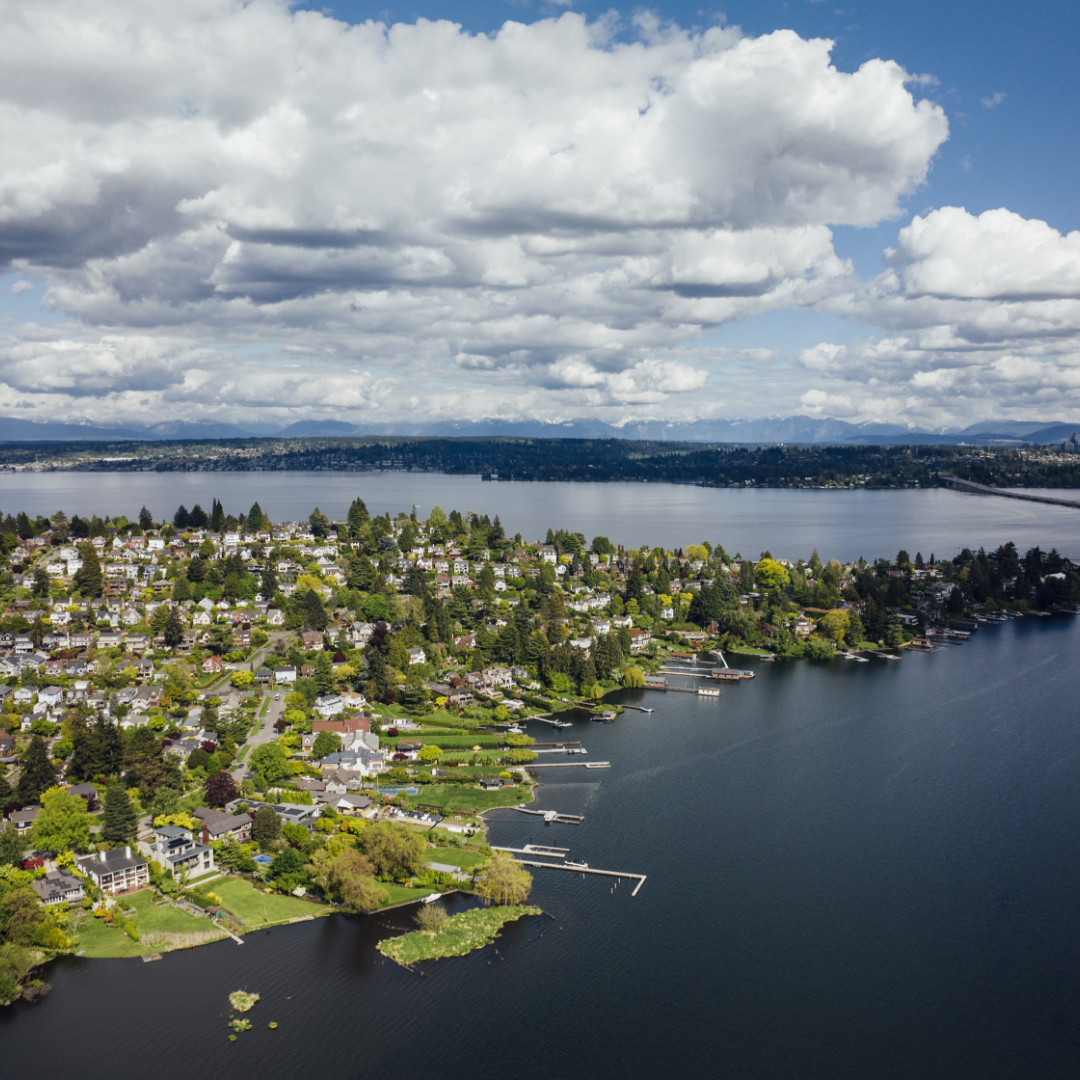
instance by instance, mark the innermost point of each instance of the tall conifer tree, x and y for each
(37, 773)
(119, 822)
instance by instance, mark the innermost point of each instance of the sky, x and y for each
(262, 213)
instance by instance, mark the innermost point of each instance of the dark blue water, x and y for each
(854, 871)
(840, 524)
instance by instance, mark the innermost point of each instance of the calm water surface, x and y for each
(841, 524)
(854, 871)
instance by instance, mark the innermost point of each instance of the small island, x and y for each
(215, 724)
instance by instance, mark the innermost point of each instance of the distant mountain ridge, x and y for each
(777, 429)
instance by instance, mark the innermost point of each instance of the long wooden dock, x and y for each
(569, 764)
(640, 878)
(552, 815)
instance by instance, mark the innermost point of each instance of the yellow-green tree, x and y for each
(771, 575)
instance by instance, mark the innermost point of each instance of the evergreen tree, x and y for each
(88, 578)
(119, 821)
(269, 585)
(217, 517)
(358, 515)
(257, 521)
(108, 746)
(265, 826)
(197, 519)
(181, 519)
(181, 589)
(174, 628)
(319, 522)
(6, 794)
(324, 673)
(146, 519)
(37, 773)
(315, 617)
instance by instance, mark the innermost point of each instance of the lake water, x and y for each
(854, 871)
(840, 524)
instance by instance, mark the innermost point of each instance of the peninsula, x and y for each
(217, 723)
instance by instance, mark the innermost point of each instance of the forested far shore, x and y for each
(506, 458)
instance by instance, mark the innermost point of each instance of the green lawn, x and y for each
(161, 929)
(462, 934)
(451, 797)
(466, 858)
(447, 742)
(257, 908)
(98, 941)
(398, 894)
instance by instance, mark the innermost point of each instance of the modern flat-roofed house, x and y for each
(177, 849)
(117, 871)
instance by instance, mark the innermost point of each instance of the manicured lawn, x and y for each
(257, 908)
(466, 858)
(447, 742)
(160, 930)
(99, 941)
(461, 934)
(166, 927)
(398, 894)
(462, 798)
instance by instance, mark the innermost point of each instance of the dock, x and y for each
(552, 815)
(536, 849)
(569, 764)
(640, 878)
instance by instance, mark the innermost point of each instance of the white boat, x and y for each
(577, 865)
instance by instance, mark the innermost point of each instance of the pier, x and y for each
(536, 849)
(552, 815)
(569, 764)
(640, 878)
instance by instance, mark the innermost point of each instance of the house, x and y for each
(328, 705)
(622, 622)
(116, 871)
(275, 617)
(639, 639)
(23, 820)
(218, 825)
(59, 888)
(417, 656)
(500, 677)
(312, 640)
(285, 675)
(177, 850)
(212, 665)
(350, 804)
(347, 725)
(263, 677)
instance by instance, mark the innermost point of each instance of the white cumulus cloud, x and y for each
(543, 214)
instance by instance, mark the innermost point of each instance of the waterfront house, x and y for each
(177, 850)
(116, 871)
(59, 888)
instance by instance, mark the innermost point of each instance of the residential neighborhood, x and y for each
(201, 709)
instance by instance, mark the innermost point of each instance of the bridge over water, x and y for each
(972, 488)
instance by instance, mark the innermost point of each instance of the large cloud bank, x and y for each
(249, 211)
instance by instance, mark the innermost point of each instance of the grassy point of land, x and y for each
(465, 858)
(450, 797)
(257, 909)
(462, 934)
